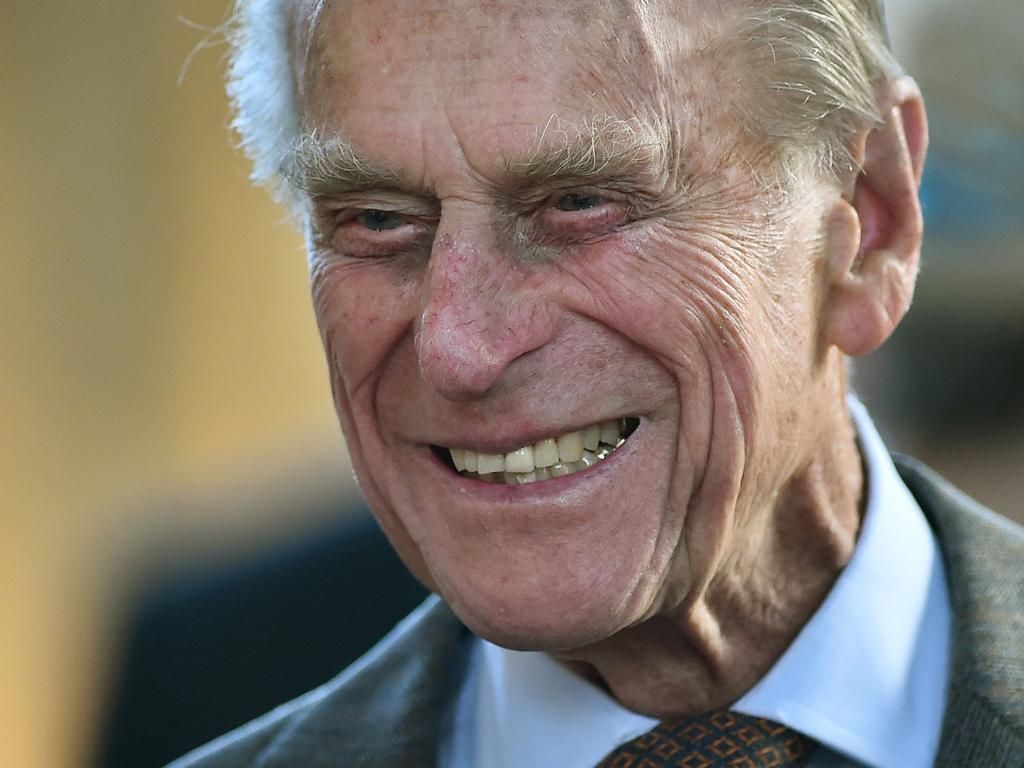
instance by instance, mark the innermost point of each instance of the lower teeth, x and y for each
(590, 458)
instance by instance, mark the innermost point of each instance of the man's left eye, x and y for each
(577, 202)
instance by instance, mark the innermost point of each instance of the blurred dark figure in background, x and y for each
(588, 277)
(212, 649)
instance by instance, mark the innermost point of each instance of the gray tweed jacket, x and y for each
(385, 710)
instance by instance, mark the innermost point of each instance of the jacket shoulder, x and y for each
(984, 555)
(382, 710)
(242, 747)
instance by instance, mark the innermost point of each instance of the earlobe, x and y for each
(873, 236)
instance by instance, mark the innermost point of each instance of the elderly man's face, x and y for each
(554, 226)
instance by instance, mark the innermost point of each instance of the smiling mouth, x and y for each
(546, 459)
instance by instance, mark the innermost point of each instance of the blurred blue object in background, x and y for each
(976, 191)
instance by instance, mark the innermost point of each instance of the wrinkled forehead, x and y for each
(616, 49)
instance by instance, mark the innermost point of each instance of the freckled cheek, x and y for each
(361, 319)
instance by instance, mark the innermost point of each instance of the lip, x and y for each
(564, 487)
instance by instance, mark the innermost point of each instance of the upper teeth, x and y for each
(551, 457)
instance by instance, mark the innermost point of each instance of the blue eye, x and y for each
(576, 202)
(378, 220)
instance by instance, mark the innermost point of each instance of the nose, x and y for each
(481, 311)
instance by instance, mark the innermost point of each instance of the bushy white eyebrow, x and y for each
(316, 166)
(599, 146)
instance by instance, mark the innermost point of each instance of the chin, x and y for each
(538, 631)
(557, 616)
(553, 564)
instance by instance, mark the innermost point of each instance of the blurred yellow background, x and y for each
(158, 344)
(156, 339)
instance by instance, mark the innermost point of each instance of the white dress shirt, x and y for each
(866, 677)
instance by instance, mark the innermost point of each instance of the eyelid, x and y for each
(560, 227)
(605, 195)
(583, 191)
(358, 242)
(341, 231)
(353, 204)
(605, 208)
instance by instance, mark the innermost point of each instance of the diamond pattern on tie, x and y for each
(719, 739)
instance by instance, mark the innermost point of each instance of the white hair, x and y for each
(806, 73)
(261, 86)
(812, 66)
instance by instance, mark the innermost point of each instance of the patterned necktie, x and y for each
(717, 739)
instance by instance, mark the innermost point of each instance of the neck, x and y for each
(711, 648)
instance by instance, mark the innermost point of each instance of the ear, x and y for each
(873, 235)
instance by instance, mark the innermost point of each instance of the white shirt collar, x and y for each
(866, 676)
